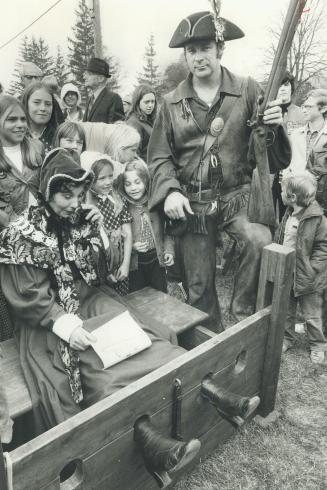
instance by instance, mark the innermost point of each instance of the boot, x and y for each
(235, 408)
(162, 454)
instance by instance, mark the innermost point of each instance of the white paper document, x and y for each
(119, 339)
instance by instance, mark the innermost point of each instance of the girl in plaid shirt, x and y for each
(117, 219)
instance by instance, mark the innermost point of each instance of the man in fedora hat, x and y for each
(198, 162)
(103, 104)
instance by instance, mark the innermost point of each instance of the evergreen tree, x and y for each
(33, 50)
(174, 73)
(81, 45)
(60, 67)
(39, 54)
(150, 74)
(114, 70)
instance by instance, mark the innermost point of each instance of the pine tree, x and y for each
(81, 46)
(33, 50)
(39, 54)
(150, 74)
(60, 67)
(114, 70)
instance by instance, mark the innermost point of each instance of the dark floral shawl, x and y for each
(33, 241)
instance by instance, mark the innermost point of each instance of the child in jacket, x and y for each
(304, 228)
(152, 250)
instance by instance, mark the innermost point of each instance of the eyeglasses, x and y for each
(32, 77)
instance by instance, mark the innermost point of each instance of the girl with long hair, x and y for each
(42, 121)
(142, 115)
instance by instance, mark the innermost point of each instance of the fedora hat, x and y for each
(200, 26)
(99, 66)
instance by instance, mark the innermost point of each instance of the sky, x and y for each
(127, 24)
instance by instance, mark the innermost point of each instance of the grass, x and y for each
(289, 454)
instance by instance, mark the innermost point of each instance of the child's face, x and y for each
(72, 143)
(133, 185)
(287, 200)
(103, 183)
(128, 153)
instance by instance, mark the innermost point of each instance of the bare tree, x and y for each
(307, 58)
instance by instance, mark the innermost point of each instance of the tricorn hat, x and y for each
(199, 27)
(99, 66)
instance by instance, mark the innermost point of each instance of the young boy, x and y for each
(304, 228)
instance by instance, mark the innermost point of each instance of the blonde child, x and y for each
(304, 228)
(152, 251)
(117, 220)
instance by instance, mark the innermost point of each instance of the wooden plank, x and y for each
(84, 434)
(165, 309)
(277, 266)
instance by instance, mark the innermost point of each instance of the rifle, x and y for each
(260, 208)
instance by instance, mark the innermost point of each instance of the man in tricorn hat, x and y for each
(198, 162)
(103, 104)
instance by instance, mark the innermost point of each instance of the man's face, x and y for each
(311, 110)
(202, 58)
(285, 92)
(28, 79)
(92, 80)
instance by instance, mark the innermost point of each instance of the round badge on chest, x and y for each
(216, 126)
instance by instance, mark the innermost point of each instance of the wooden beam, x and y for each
(275, 283)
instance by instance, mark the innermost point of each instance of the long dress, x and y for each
(34, 309)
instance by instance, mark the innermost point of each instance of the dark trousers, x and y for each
(149, 273)
(199, 259)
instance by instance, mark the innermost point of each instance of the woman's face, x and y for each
(70, 143)
(103, 183)
(128, 153)
(147, 103)
(70, 99)
(65, 203)
(13, 126)
(133, 185)
(40, 107)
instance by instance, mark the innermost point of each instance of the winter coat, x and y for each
(310, 274)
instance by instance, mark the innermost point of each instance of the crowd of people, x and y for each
(100, 201)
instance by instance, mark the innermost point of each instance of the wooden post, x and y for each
(276, 276)
(97, 29)
(3, 478)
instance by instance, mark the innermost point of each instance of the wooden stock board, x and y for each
(99, 440)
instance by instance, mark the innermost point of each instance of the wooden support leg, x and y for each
(3, 478)
(275, 283)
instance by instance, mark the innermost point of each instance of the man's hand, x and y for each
(80, 339)
(175, 206)
(273, 114)
(140, 246)
(168, 259)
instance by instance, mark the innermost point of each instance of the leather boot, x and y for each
(235, 408)
(162, 454)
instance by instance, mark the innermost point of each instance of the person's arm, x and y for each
(123, 270)
(169, 250)
(278, 145)
(32, 301)
(165, 189)
(318, 259)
